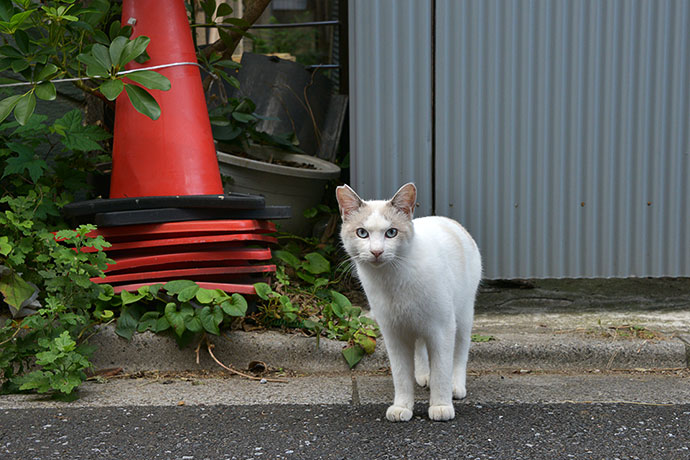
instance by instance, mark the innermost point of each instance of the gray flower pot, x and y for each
(280, 185)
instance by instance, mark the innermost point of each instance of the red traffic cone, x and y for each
(174, 155)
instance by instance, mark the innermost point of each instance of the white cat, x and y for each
(420, 277)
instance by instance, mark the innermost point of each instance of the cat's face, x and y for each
(377, 232)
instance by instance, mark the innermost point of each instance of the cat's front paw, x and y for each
(441, 413)
(422, 379)
(398, 414)
(459, 391)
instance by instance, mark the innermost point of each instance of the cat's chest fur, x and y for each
(419, 285)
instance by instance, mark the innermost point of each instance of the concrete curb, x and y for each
(149, 351)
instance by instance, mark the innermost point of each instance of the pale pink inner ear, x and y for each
(348, 200)
(405, 199)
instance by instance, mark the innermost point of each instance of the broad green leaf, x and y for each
(93, 67)
(263, 290)
(320, 282)
(238, 22)
(15, 290)
(77, 136)
(287, 257)
(128, 297)
(6, 10)
(316, 263)
(208, 321)
(353, 354)
(111, 89)
(367, 343)
(134, 48)
(337, 310)
(162, 324)
(26, 160)
(223, 10)
(187, 293)
(46, 71)
(174, 287)
(11, 52)
(148, 321)
(193, 324)
(150, 79)
(187, 311)
(225, 37)
(343, 302)
(46, 91)
(243, 117)
(205, 296)
(18, 19)
(143, 102)
(25, 108)
(19, 65)
(228, 64)
(225, 133)
(175, 318)
(7, 104)
(102, 56)
(66, 384)
(45, 358)
(64, 342)
(209, 7)
(307, 277)
(36, 380)
(310, 212)
(116, 49)
(21, 38)
(236, 306)
(114, 30)
(127, 322)
(5, 246)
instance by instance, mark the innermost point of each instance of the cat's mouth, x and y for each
(377, 261)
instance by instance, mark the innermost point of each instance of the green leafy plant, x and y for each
(181, 307)
(49, 282)
(234, 123)
(305, 296)
(64, 39)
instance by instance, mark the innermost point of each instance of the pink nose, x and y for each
(376, 253)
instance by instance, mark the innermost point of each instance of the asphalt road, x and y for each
(480, 431)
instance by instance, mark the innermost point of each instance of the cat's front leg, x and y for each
(401, 356)
(440, 349)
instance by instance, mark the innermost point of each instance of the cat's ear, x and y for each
(405, 199)
(348, 200)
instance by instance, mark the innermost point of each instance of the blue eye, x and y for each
(362, 233)
(391, 233)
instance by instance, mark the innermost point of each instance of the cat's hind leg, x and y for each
(421, 363)
(463, 336)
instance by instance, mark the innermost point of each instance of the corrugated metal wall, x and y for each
(390, 90)
(562, 132)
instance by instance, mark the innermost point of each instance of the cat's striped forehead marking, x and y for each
(377, 219)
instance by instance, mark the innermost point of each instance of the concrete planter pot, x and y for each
(280, 184)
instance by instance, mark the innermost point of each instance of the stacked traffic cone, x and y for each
(167, 216)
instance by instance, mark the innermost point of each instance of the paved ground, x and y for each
(589, 370)
(506, 416)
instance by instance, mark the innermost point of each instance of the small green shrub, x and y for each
(181, 307)
(305, 296)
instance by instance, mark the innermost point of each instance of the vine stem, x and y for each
(210, 346)
(11, 337)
